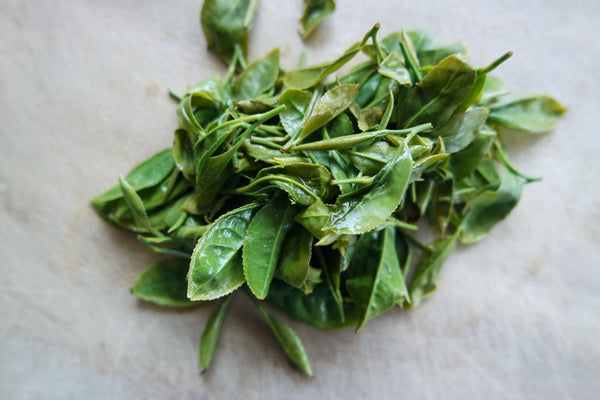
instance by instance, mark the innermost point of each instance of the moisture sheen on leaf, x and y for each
(263, 242)
(355, 215)
(216, 265)
(332, 104)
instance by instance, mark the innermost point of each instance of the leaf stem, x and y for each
(495, 63)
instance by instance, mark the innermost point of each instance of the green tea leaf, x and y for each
(296, 103)
(463, 162)
(460, 130)
(428, 267)
(263, 242)
(136, 206)
(435, 98)
(534, 114)
(332, 104)
(377, 283)
(164, 284)
(393, 67)
(147, 174)
(289, 340)
(362, 213)
(294, 261)
(257, 77)
(211, 333)
(317, 308)
(489, 208)
(226, 23)
(216, 266)
(315, 11)
(305, 78)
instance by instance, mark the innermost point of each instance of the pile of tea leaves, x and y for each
(305, 190)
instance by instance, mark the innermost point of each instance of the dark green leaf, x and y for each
(317, 308)
(489, 208)
(466, 160)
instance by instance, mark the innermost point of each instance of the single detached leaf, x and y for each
(315, 11)
(332, 104)
(364, 212)
(216, 266)
(263, 242)
(164, 284)
(257, 77)
(226, 23)
(428, 267)
(377, 283)
(211, 333)
(289, 340)
(435, 98)
(490, 207)
(534, 114)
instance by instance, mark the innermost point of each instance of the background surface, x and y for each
(83, 98)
